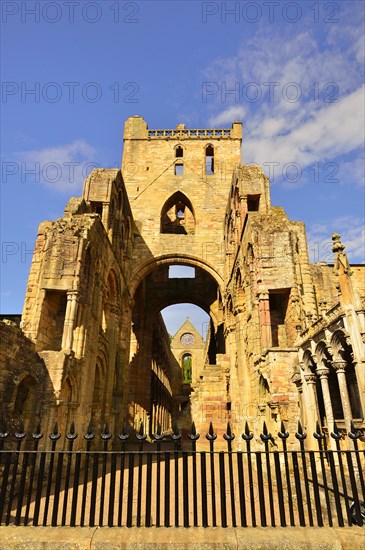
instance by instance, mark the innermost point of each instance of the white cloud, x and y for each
(352, 233)
(333, 130)
(62, 168)
(228, 116)
(323, 67)
(352, 172)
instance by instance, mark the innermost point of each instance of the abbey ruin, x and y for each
(286, 337)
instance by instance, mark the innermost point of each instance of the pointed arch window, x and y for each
(209, 160)
(179, 165)
(177, 215)
(187, 365)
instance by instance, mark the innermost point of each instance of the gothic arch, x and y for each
(308, 362)
(324, 361)
(239, 290)
(26, 402)
(179, 151)
(97, 403)
(343, 354)
(209, 159)
(177, 259)
(229, 314)
(186, 362)
(322, 355)
(339, 345)
(111, 299)
(88, 277)
(177, 215)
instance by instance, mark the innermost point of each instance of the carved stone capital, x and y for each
(310, 378)
(297, 380)
(323, 372)
(339, 366)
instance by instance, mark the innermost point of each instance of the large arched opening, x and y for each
(169, 352)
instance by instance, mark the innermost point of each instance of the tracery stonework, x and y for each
(93, 346)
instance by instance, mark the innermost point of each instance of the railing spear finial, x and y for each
(72, 433)
(283, 434)
(336, 434)
(211, 436)
(89, 435)
(266, 435)
(353, 433)
(176, 435)
(105, 434)
(300, 434)
(19, 433)
(247, 435)
(229, 436)
(123, 435)
(55, 434)
(37, 434)
(141, 436)
(193, 435)
(318, 434)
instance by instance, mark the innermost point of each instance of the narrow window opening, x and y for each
(253, 202)
(180, 210)
(187, 368)
(278, 301)
(179, 169)
(97, 208)
(53, 318)
(179, 152)
(209, 160)
(181, 272)
(26, 404)
(96, 407)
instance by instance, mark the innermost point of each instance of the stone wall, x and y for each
(25, 385)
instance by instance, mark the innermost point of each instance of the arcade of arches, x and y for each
(285, 339)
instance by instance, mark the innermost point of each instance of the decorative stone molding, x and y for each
(310, 378)
(339, 366)
(323, 372)
(297, 380)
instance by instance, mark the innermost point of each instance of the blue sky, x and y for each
(293, 72)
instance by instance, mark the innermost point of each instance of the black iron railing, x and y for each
(128, 481)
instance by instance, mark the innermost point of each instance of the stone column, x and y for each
(70, 318)
(111, 334)
(323, 373)
(360, 378)
(265, 322)
(340, 367)
(297, 380)
(312, 406)
(105, 215)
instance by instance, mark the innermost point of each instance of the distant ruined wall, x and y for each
(25, 385)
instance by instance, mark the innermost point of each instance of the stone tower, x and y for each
(285, 340)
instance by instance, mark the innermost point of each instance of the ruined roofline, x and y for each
(192, 133)
(136, 127)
